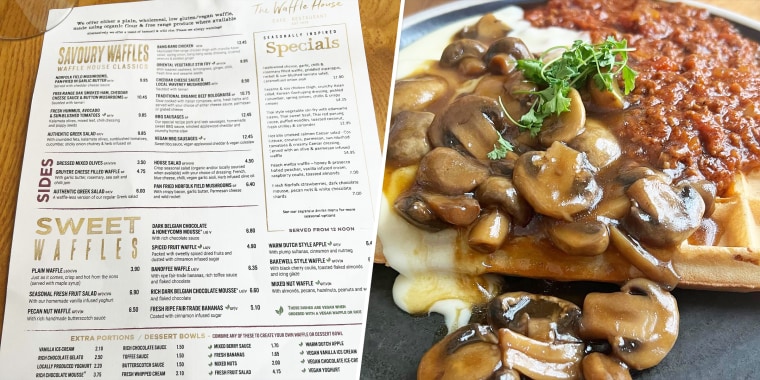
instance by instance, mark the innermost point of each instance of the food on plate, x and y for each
(545, 337)
(620, 146)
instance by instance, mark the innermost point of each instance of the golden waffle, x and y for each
(732, 263)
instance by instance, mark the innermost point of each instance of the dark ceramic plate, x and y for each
(719, 334)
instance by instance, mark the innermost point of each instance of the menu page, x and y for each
(199, 195)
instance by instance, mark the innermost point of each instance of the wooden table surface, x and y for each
(18, 69)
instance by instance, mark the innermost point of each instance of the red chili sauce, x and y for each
(696, 106)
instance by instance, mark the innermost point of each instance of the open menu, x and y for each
(199, 195)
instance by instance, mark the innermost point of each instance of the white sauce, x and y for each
(428, 280)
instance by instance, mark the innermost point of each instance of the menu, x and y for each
(199, 195)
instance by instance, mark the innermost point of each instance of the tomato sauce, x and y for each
(696, 106)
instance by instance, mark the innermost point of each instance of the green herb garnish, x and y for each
(500, 149)
(603, 62)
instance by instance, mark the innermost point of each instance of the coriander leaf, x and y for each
(531, 69)
(500, 149)
(629, 77)
(558, 103)
(603, 81)
(602, 62)
(531, 122)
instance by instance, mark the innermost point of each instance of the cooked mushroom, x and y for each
(558, 182)
(499, 191)
(416, 211)
(517, 97)
(567, 125)
(523, 312)
(502, 55)
(640, 322)
(540, 360)
(465, 54)
(489, 232)
(446, 171)
(407, 138)
(631, 172)
(614, 206)
(490, 86)
(538, 334)
(581, 237)
(487, 29)
(504, 166)
(706, 189)
(598, 366)
(662, 215)
(506, 374)
(414, 94)
(606, 100)
(471, 122)
(470, 352)
(458, 210)
(657, 267)
(599, 144)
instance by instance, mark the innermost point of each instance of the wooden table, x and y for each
(19, 61)
(18, 70)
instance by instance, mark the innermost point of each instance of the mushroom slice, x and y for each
(448, 172)
(599, 144)
(416, 211)
(606, 100)
(582, 237)
(657, 269)
(640, 322)
(567, 125)
(631, 172)
(546, 318)
(558, 182)
(502, 55)
(517, 97)
(598, 366)
(416, 93)
(499, 191)
(706, 189)
(540, 360)
(470, 352)
(407, 138)
(504, 166)
(465, 54)
(489, 232)
(459, 210)
(487, 29)
(471, 122)
(662, 215)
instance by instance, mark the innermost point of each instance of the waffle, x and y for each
(732, 263)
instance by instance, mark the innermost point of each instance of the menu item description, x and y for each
(198, 196)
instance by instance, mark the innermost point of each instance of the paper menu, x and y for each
(198, 196)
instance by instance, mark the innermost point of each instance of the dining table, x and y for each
(19, 60)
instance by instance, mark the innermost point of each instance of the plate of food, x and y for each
(571, 190)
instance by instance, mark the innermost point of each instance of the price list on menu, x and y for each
(198, 195)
